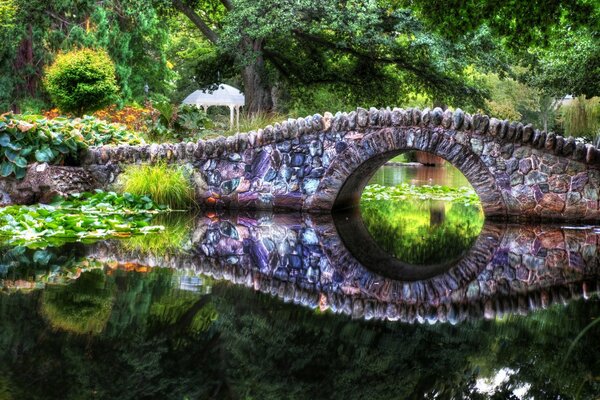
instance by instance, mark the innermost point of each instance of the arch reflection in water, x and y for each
(302, 259)
(418, 223)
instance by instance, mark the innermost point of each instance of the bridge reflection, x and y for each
(308, 260)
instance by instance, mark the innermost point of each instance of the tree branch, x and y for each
(228, 5)
(196, 20)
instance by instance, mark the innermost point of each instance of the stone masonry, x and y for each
(321, 163)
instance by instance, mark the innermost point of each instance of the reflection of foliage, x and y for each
(423, 231)
(83, 216)
(81, 307)
(184, 311)
(24, 268)
(172, 239)
(260, 347)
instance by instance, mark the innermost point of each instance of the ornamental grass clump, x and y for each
(164, 184)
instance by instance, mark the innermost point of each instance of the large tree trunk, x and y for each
(258, 93)
(25, 68)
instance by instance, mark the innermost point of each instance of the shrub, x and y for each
(171, 122)
(30, 138)
(81, 81)
(168, 185)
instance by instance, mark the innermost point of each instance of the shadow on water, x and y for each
(118, 319)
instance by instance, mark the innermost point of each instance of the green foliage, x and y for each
(33, 106)
(85, 216)
(165, 184)
(570, 64)
(29, 138)
(184, 122)
(129, 30)
(82, 81)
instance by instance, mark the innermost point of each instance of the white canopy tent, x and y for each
(225, 95)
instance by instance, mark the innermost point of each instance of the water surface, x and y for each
(262, 305)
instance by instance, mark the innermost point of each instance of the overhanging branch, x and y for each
(196, 20)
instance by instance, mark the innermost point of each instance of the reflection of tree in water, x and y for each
(153, 346)
(83, 306)
(422, 232)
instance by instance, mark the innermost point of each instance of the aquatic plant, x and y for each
(165, 184)
(405, 191)
(80, 217)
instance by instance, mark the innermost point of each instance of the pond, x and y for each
(400, 301)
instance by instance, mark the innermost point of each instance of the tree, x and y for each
(129, 30)
(81, 81)
(556, 40)
(374, 49)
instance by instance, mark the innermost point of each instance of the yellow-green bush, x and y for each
(81, 81)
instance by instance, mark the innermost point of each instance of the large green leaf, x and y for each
(20, 172)
(4, 140)
(20, 162)
(43, 155)
(10, 155)
(6, 168)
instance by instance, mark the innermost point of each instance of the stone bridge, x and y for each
(321, 163)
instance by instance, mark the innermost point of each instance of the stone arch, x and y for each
(351, 170)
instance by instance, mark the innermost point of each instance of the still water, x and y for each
(272, 306)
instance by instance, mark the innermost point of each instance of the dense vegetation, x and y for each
(512, 59)
(32, 138)
(81, 81)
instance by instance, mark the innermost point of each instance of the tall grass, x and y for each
(581, 118)
(164, 184)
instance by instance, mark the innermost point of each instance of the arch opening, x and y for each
(414, 221)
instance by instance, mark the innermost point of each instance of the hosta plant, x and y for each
(29, 138)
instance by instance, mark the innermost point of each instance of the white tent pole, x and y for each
(238, 118)
(230, 117)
